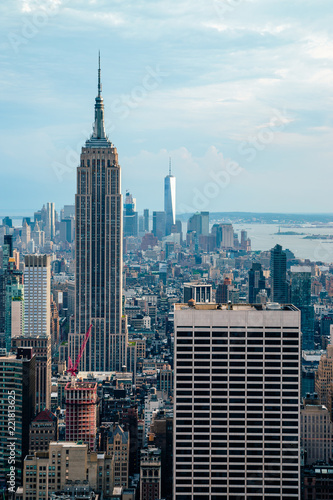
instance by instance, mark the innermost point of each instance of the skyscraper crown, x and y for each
(99, 138)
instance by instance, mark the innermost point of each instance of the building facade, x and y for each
(150, 473)
(257, 282)
(146, 220)
(300, 296)
(130, 216)
(41, 345)
(199, 223)
(278, 266)
(236, 402)
(169, 202)
(199, 292)
(316, 431)
(118, 447)
(98, 253)
(159, 220)
(37, 293)
(17, 396)
(324, 376)
(81, 412)
(66, 465)
(50, 221)
(43, 429)
(14, 302)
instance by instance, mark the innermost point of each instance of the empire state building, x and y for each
(98, 253)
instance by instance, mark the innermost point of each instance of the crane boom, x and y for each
(74, 369)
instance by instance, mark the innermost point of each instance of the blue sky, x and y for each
(237, 92)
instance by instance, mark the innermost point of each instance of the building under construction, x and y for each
(81, 412)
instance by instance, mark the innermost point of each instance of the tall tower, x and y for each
(257, 282)
(37, 323)
(279, 284)
(50, 221)
(37, 292)
(98, 252)
(236, 402)
(17, 390)
(169, 201)
(130, 216)
(300, 296)
(146, 220)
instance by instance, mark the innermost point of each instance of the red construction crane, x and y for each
(74, 369)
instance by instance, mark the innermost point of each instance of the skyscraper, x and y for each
(222, 291)
(14, 302)
(50, 221)
(227, 236)
(7, 221)
(130, 216)
(279, 284)
(300, 296)
(98, 252)
(25, 235)
(236, 402)
(224, 234)
(146, 220)
(37, 293)
(17, 408)
(41, 345)
(81, 412)
(159, 224)
(11, 295)
(117, 440)
(199, 223)
(38, 236)
(257, 282)
(169, 201)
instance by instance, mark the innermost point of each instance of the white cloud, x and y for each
(226, 76)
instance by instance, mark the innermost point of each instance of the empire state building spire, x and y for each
(99, 137)
(99, 75)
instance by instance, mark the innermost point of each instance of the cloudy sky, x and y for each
(237, 92)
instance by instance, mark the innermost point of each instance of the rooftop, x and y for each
(270, 306)
(45, 416)
(300, 269)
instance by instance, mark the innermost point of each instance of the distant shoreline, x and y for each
(288, 233)
(265, 218)
(318, 237)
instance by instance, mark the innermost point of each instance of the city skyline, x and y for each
(155, 346)
(253, 88)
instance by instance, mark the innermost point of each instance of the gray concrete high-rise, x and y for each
(169, 201)
(98, 252)
(236, 402)
(37, 295)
